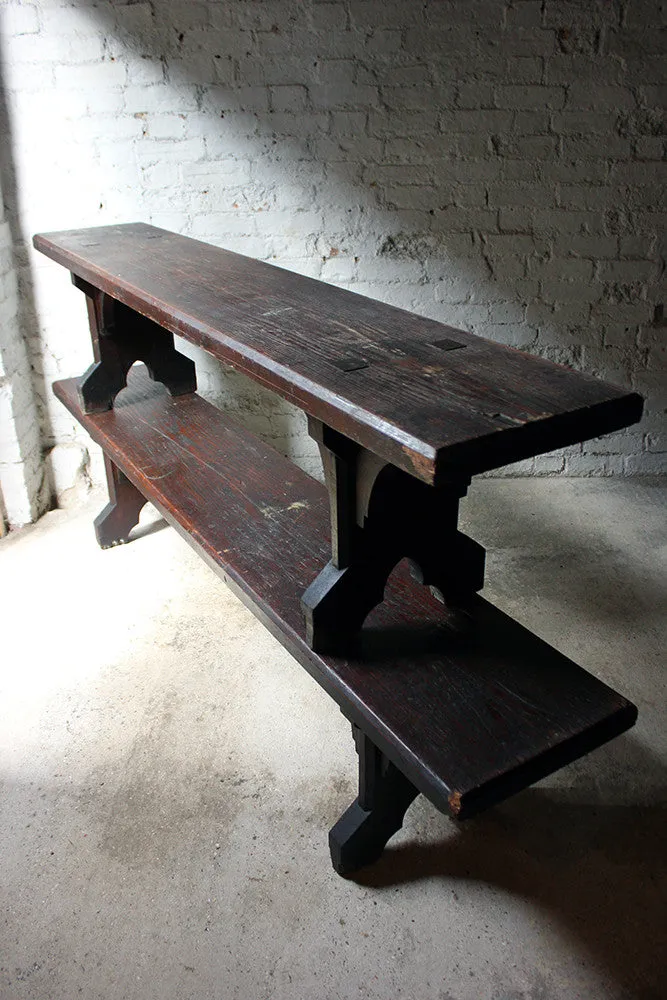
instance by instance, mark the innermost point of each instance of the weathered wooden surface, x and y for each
(467, 721)
(434, 401)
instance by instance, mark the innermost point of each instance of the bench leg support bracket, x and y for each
(120, 337)
(385, 794)
(379, 515)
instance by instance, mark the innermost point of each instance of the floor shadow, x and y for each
(598, 868)
(593, 573)
(150, 528)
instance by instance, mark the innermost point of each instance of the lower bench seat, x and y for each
(469, 720)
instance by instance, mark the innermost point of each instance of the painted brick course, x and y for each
(497, 166)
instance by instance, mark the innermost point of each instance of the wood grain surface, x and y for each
(467, 721)
(435, 401)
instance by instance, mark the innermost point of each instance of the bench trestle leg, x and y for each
(385, 794)
(380, 515)
(114, 523)
(120, 337)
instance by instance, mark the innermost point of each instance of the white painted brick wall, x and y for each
(21, 497)
(495, 165)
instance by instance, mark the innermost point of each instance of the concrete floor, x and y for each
(170, 773)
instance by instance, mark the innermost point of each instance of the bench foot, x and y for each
(114, 523)
(385, 794)
(337, 602)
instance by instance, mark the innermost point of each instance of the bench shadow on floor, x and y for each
(597, 868)
(590, 855)
(581, 564)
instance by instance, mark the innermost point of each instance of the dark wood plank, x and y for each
(436, 402)
(468, 722)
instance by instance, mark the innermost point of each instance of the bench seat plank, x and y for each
(468, 721)
(434, 401)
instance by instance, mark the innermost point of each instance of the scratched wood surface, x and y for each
(432, 400)
(468, 721)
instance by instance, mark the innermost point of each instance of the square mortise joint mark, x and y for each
(446, 345)
(350, 363)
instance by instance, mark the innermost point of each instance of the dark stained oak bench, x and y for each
(447, 695)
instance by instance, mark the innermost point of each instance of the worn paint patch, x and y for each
(273, 511)
(422, 465)
(455, 803)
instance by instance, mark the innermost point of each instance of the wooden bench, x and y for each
(446, 695)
